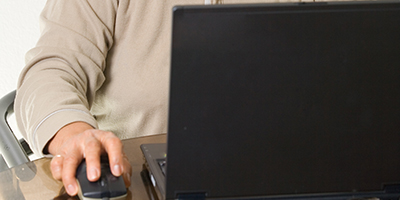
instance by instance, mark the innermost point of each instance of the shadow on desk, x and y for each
(33, 180)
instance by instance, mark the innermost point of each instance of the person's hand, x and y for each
(79, 140)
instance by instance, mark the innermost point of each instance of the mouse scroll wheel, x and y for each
(103, 181)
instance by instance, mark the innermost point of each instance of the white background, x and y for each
(19, 32)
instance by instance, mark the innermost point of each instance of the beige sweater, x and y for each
(104, 62)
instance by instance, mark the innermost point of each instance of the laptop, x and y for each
(282, 101)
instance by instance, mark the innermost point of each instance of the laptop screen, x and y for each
(284, 99)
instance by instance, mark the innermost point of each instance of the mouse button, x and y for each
(97, 189)
(105, 170)
(103, 182)
(93, 186)
(81, 175)
(81, 168)
(92, 190)
(117, 187)
(111, 178)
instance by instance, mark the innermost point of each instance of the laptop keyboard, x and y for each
(163, 164)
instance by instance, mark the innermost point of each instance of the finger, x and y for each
(127, 171)
(68, 174)
(56, 166)
(119, 162)
(93, 151)
(113, 147)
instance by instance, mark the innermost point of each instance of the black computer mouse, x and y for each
(107, 187)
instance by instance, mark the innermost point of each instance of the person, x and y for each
(98, 74)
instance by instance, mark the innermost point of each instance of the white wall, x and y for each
(19, 31)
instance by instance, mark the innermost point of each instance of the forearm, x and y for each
(46, 101)
(65, 69)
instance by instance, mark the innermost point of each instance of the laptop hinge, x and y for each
(195, 196)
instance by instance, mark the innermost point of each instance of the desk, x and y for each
(33, 180)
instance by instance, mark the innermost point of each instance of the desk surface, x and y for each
(34, 181)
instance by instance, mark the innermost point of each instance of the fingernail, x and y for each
(128, 178)
(117, 170)
(71, 189)
(94, 173)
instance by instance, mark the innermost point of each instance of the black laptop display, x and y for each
(283, 101)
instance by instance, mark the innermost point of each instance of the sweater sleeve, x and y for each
(65, 69)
